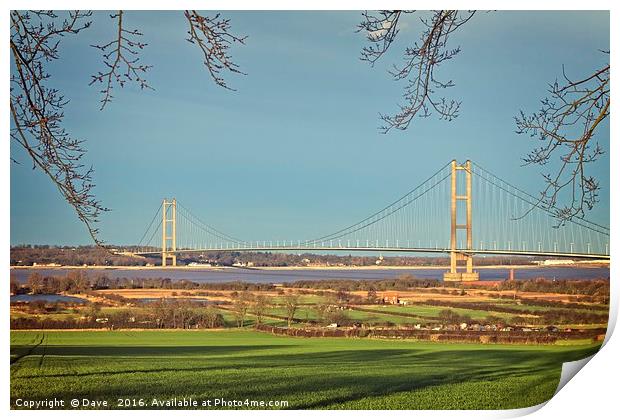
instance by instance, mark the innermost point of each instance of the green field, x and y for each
(433, 311)
(302, 299)
(541, 308)
(308, 373)
(307, 313)
(230, 321)
(375, 318)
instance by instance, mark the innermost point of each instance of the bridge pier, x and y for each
(455, 255)
(165, 254)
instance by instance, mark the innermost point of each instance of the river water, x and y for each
(46, 298)
(283, 275)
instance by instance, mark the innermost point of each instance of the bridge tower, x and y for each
(455, 254)
(169, 235)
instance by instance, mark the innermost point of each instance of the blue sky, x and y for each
(295, 152)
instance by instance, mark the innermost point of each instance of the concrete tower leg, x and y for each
(169, 251)
(164, 238)
(455, 254)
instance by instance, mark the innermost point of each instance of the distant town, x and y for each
(57, 256)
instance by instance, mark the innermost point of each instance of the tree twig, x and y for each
(121, 52)
(213, 37)
(37, 110)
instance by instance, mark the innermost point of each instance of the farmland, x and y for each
(239, 364)
(527, 306)
(393, 344)
(434, 311)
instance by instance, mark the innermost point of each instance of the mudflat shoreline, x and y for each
(317, 268)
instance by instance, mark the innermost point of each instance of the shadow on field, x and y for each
(347, 377)
(125, 351)
(309, 378)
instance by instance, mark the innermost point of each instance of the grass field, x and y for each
(303, 299)
(308, 373)
(231, 322)
(307, 313)
(550, 308)
(433, 311)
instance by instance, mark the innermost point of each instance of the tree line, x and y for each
(27, 255)
(76, 281)
(595, 287)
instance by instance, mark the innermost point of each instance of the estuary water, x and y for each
(46, 298)
(290, 275)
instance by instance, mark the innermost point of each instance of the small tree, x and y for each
(448, 316)
(212, 318)
(343, 296)
(93, 310)
(291, 302)
(35, 283)
(338, 317)
(78, 281)
(120, 319)
(187, 317)
(372, 296)
(321, 310)
(259, 306)
(15, 287)
(240, 307)
(161, 313)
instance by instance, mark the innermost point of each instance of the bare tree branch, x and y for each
(121, 52)
(566, 123)
(37, 110)
(420, 62)
(381, 31)
(212, 35)
(566, 126)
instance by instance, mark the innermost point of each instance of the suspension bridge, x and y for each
(461, 210)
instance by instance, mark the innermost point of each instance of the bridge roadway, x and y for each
(383, 249)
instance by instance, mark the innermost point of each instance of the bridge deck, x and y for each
(386, 249)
